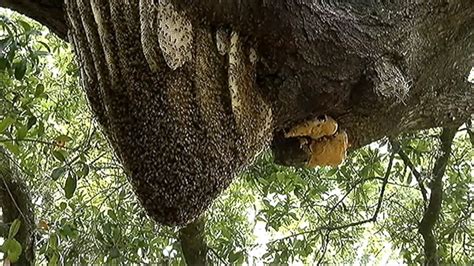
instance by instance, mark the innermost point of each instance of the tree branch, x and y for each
(50, 13)
(16, 203)
(193, 244)
(406, 160)
(344, 226)
(4, 228)
(431, 214)
(470, 131)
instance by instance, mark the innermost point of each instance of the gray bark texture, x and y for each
(189, 92)
(15, 202)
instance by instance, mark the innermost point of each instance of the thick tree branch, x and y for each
(193, 244)
(50, 13)
(470, 131)
(435, 71)
(431, 214)
(379, 68)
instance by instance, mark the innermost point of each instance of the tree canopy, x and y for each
(389, 202)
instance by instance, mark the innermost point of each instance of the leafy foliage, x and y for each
(87, 212)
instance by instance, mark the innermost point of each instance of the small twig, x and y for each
(214, 252)
(355, 184)
(34, 141)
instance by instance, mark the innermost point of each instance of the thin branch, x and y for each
(13, 199)
(324, 247)
(354, 185)
(214, 252)
(34, 141)
(371, 219)
(384, 184)
(406, 160)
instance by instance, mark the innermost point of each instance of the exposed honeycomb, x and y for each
(319, 137)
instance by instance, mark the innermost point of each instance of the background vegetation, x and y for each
(368, 210)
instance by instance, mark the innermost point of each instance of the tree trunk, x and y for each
(193, 244)
(190, 91)
(15, 203)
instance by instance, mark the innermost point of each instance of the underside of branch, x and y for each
(47, 12)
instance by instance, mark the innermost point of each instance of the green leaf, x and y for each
(13, 249)
(107, 228)
(70, 186)
(112, 215)
(53, 241)
(31, 122)
(331, 172)
(57, 173)
(39, 90)
(294, 216)
(84, 170)
(54, 260)
(62, 206)
(4, 43)
(41, 53)
(114, 253)
(14, 228)
(3, 63)
(45, 45)
(6, 122)
(26, 26)
(60, 155)
(409, 179)
(12, 147)
(401, 178)
(40, 129)
(233, 257)
(21, 132)
(20, 69)
(67, 231)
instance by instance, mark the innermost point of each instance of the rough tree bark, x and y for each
(190, 92)
(16, 203)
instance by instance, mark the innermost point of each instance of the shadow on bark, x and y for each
(15, 202)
